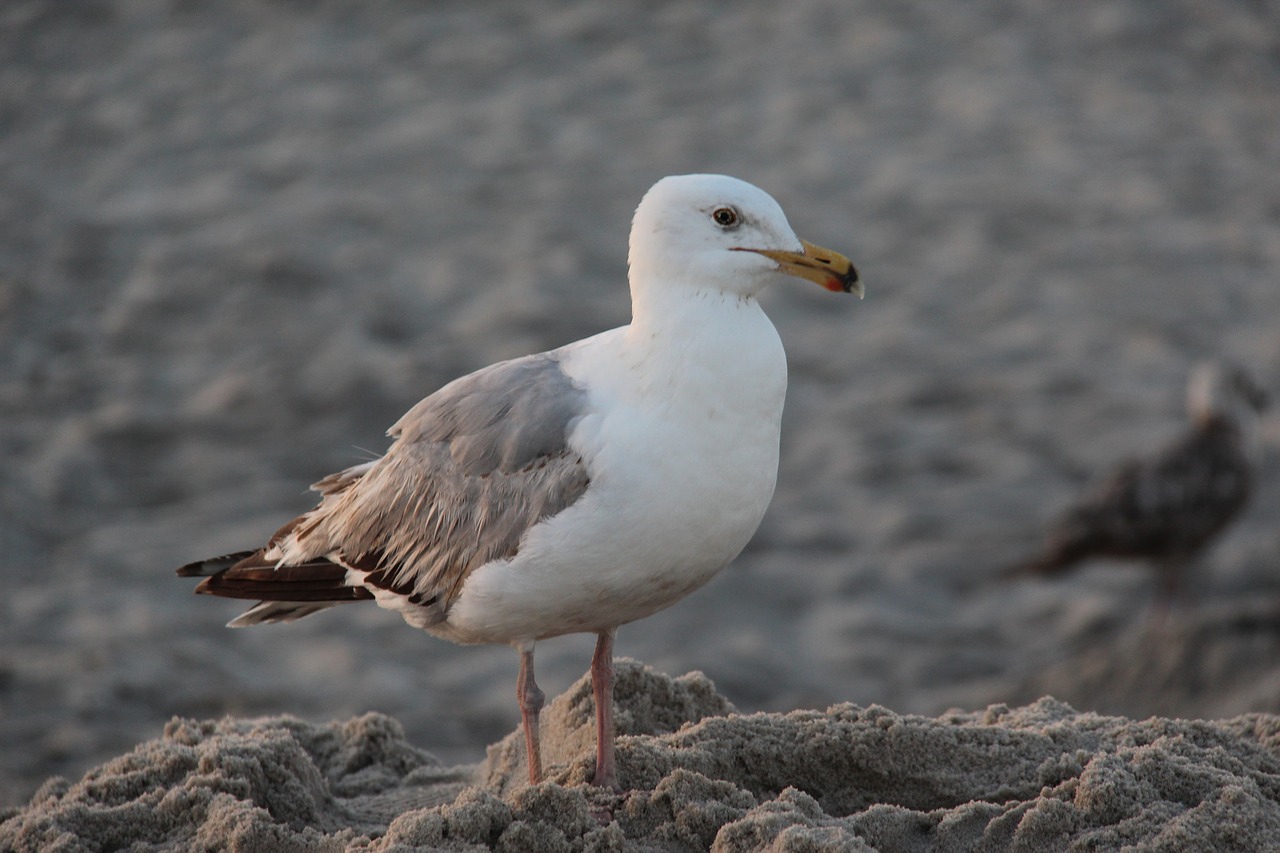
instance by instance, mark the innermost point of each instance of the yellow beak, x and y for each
(830, 269)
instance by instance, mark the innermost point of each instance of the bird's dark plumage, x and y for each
(1168, 507)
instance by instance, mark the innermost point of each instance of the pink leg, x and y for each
(602, 678)
(531, 699)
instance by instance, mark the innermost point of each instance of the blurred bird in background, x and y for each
(1166, 508)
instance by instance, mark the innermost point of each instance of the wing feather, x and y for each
(471, 469)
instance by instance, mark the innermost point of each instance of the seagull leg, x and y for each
(602, 678)
(1170, 594)
(531, 699)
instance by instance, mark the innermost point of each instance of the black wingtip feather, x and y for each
(211, 566)
(319, 580)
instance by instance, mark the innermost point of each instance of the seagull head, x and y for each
(717, 232)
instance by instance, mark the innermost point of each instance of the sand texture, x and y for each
(239, 240)
(848, 778)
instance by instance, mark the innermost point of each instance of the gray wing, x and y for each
(502, 418)
(472, 468)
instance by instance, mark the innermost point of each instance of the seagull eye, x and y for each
(725, 217)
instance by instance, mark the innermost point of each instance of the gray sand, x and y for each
(848, 779)
(236, 243)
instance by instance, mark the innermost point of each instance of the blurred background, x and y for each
(238, 241)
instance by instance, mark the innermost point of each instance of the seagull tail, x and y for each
(278, 611)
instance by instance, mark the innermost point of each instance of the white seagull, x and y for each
(574, 490)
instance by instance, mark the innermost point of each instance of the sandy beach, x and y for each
(1041, 777)
(239, 242)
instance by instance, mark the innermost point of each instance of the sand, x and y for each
(704, 777)
(237, 243)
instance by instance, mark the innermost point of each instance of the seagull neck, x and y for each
(680, 311)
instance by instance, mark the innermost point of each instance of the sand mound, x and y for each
(1039, 777)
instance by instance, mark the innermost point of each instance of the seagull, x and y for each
(575, 490)
(1167, 508)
